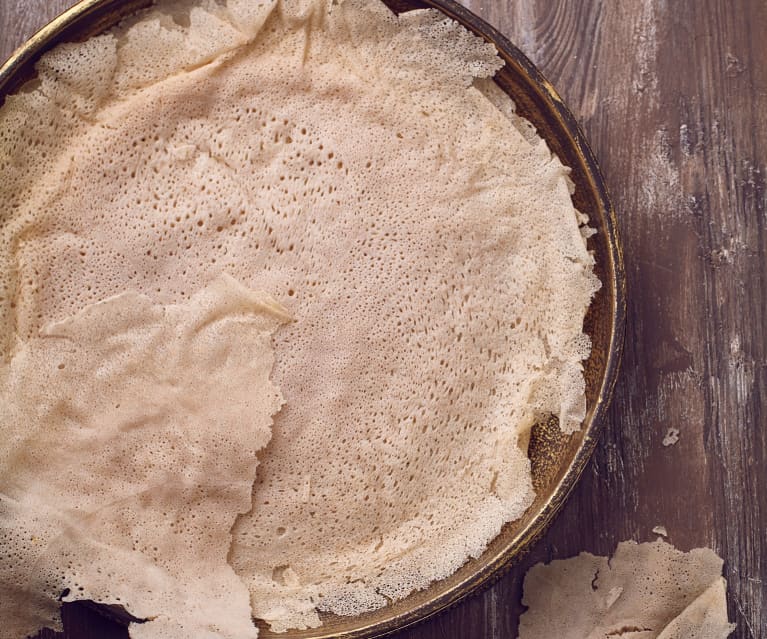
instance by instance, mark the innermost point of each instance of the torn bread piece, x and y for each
(131, 438)
(645, 591)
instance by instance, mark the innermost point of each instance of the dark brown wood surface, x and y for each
(673, 98)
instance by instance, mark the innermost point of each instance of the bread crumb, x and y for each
(672, 437)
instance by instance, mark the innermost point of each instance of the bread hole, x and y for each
(279, 575)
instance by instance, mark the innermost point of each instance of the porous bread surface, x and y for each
(130, 438)
(342, 159)
(650, 591)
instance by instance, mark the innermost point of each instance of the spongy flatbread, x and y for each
(342, 159)
(645, 591)
(132, 432)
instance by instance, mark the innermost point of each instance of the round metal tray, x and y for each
(557, 460)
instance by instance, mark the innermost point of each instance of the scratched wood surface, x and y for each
(673, 97)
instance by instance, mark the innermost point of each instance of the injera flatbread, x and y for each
(362, 170)
(644, 591)
(123, 467)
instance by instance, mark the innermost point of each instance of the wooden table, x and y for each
(673, 97)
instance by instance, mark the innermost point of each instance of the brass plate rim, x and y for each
(103, 14)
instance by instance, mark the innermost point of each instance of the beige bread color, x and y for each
(644, 591)
(362, 170)
(131, 432)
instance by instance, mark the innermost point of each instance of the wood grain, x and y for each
(673, 97)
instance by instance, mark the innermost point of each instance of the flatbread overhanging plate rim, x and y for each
(91, 17)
